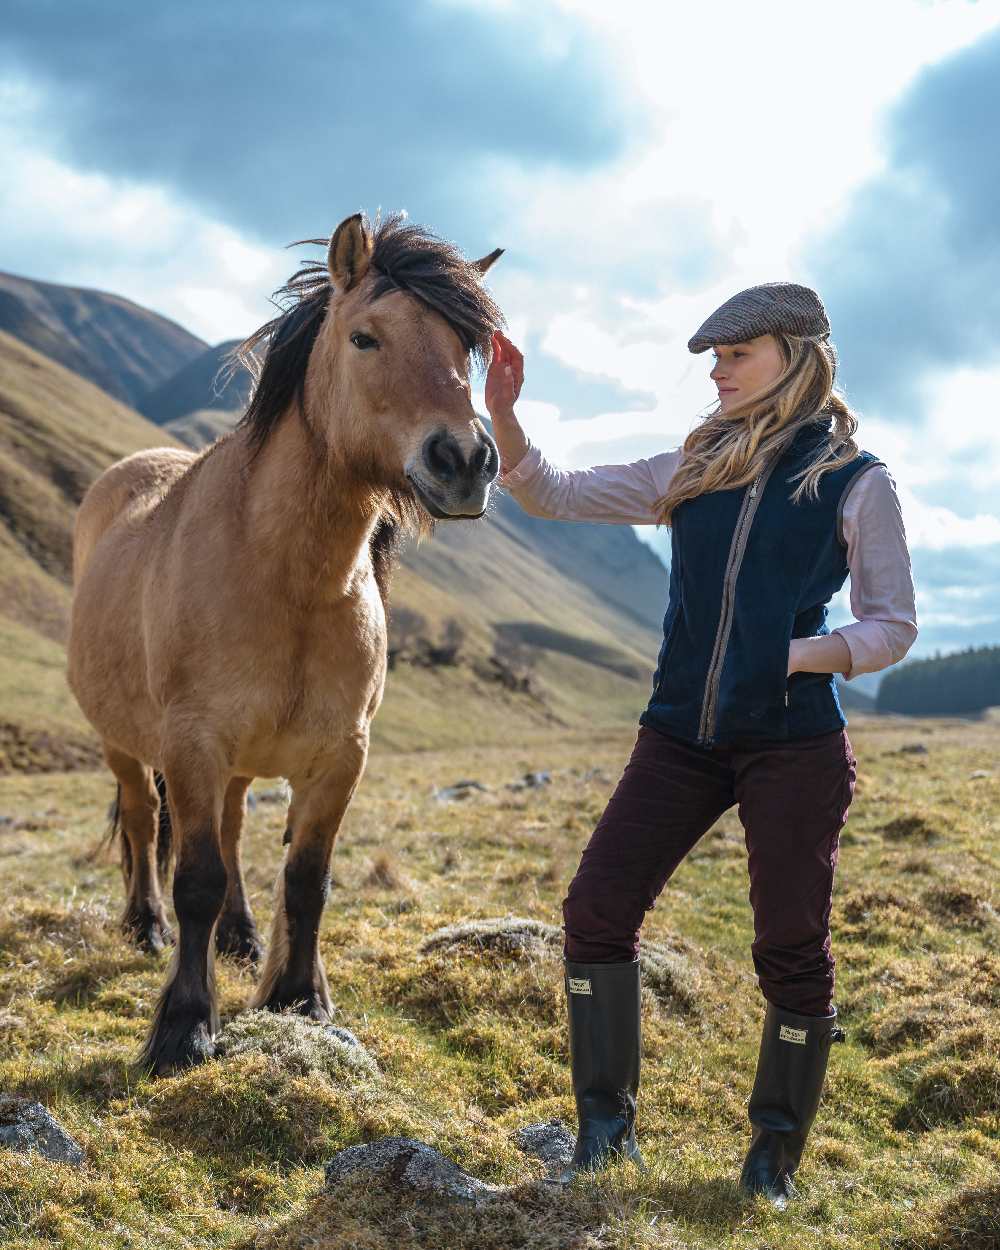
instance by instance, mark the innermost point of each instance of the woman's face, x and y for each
(745, 369)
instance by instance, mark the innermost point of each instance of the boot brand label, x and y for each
(579, 985)
(792, 1035)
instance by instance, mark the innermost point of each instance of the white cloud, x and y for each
(142, 241)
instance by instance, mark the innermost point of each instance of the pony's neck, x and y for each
(307, 521)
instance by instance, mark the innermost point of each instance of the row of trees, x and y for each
(413, 641)
(943, 685)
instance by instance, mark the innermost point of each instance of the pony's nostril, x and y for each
(443, 456)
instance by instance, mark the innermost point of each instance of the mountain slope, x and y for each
(57, 433)
(197, 386)
(125, 349)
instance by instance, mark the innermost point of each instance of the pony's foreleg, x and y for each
(236, 933)
(186, 1016)
(144, 919)
(293, 973)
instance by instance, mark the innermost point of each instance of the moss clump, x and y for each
(952, 1090)
(513, 936)
(671, 970)
(910, 828)
(298, 1045)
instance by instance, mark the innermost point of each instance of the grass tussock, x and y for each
(298, 1045)
(969, 1220)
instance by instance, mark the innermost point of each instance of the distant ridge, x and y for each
(197, 387)
(123, 348)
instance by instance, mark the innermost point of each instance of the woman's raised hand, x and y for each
(503, 385)
(505, 377)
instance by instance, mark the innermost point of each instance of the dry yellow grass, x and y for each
(470, 1039)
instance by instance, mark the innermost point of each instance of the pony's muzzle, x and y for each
(452, 481)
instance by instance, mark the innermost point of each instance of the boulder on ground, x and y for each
(27, 1126)
(405, 1161)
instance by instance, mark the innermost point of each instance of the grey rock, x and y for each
(275, 794)
(460, 790)
(981, 772)
(530, 781)
(913, 748)
(26, 1125)
(551, 1141)
(406, 1161)
(344, 1035)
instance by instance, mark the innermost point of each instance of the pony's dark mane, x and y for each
(404, 257)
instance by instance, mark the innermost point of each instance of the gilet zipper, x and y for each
(709, 705)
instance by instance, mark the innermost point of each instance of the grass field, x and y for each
(471, 1045)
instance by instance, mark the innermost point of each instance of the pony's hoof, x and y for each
(177, 1045)
(309, 1004)
(237, 936)
(148, 931)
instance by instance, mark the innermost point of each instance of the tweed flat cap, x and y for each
(763, 309)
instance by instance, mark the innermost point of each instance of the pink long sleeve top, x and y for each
(882, 593)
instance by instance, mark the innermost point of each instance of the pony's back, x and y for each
(129, 486)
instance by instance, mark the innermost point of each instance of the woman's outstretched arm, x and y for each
(617, 493)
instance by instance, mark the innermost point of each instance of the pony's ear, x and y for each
(349, 254)
(486, 261)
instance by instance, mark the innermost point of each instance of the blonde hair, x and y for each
(729, 449)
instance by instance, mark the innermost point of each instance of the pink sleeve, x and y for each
(882, 595)
(619, 493)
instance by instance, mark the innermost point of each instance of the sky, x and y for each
(640, 163)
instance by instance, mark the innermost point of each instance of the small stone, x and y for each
(344, 1035)
(460, 790)
(275, 794)
(530, 781)
(981, 772)
(27, 1126)
(414, 1164)
(551, 1141)
(913, 748)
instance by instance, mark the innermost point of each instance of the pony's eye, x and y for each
(363, 342)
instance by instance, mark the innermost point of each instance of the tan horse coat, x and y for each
(228, 623)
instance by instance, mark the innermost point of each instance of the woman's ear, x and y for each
(350, 253)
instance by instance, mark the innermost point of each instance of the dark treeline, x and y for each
(964, 681)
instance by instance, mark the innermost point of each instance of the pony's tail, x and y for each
(116, 831)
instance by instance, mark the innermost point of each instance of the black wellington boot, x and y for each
(603, 1007)
(790, 1071)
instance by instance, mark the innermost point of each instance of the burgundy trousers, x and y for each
(793, 800)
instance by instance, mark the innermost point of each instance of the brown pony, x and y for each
(229, 607)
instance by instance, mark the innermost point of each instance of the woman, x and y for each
(770, 504)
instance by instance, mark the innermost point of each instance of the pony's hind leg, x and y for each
(236, 932)
(186, 1016)
(293, 974)
(144, 920)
